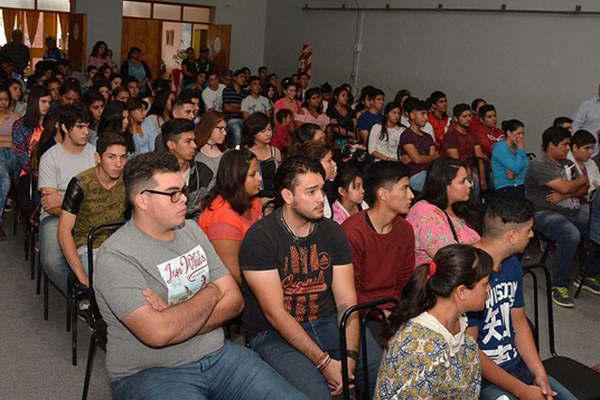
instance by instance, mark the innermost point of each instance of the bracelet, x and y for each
(353, 354)
(321, 364)
(326, 364)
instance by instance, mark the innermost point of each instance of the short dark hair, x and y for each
(373, 92)
(437, 95)
(460, 108)
(70, 85)
(239, 72)
(175, 127)
(561, 120)
(98, 83)
(188, 94)
(255, 123)
(287, 173)
(413, 104)
(282, 114)
(312, 149)
(134, 104)
(72, 114)
(486, 108)
(511, 125)
(108, 139)
(253, 78)
(382, 174)
(263, 68)
(345, 177)
(502, 209)
(130, 79)
(305, 133)
(476, 102)
(140, 170)
(91, 97)
(582, 138)
(554, 135)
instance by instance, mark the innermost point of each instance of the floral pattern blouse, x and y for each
(432, 231)
(418, 364)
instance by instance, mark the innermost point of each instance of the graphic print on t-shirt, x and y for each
(184, 275)
(496, 332)
(306, 277)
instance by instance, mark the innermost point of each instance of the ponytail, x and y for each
(452, 266)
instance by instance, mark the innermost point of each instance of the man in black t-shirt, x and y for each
(299, 278)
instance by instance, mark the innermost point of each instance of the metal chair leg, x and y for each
(89, 366)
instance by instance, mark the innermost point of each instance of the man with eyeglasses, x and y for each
(179, 137)
(165, 294)
(57, 166)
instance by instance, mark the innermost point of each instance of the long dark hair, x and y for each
(310, 93)
(231, 179)
(440, 174)
(96, 48)
(33, 116)
(255, 123)
(456, 265)
(112, 121)
(384, 135)
(205, 127)
(160, 103)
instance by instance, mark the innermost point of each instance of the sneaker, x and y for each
(562, 297)
(591, 284)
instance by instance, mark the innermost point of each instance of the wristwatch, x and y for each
(353, 354)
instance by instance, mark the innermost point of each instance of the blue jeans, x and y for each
(233, 372)
(566, 230)
(299, 370)
(417, 181)
(234, 130)
(7, 170)
(51, 257)
(493, 392)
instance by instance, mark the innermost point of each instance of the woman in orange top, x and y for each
(232, 206)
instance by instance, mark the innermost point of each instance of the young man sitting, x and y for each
(94, 196)
(374, 99)
(437, 117)
(179, 136)
(300, 280)
(382, 242)
(165, 294)
(510, 364)
(57, 166)
(254, 102)
(554, 186)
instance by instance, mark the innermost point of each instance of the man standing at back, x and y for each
(165, 294)
(588, 115)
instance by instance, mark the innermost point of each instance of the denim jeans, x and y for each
(7, 170)
(493, 392)
(51, 257)
(417, 181)
(234, 130)
(299, 370)
(566, 230)
(233, 372)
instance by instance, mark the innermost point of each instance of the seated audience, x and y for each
(487, 132)
(443, 215)
(308, 132)
(115, 118)
(298, 267)
(255, 102)
(256, 136)
(211, 133)
(374, 99)
(282, 136)
(137, 114)
(288, 101)
(7, 155)
(350, 194)
(94, 196)
(312, 110)
(416, 147)
(58, 165)
(554, 186)
(385, 135)
(164, 324)
(429, 353)
(121, 94)
(341, 115)
(232, 107)
(381, 240)
(437, 117)
(511, 366)
(53, 86)
(232, 206)
(95, 103)
(582, 147)
(194, 97)
(17, 103)
(509, 159)
(157, 115)
(460, 143)
(179, 138)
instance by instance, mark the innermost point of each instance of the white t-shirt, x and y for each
(252, 105)
(57, 167)
(389, 147)
(213, 98)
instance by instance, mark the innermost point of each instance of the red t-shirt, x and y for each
(440, 126)
(382, 263)
(282, 137)
(487, 137)
(465, 144)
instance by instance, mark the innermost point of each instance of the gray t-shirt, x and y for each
(57, 167)
(210, 162)
(252, 105)
(130, 261)
(542, 171)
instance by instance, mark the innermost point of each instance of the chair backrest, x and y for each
(367, 309)
(95, 314)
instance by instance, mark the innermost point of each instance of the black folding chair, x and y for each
(581, 380)
(368, 309)
(95, 320)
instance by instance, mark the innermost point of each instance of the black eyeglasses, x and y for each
(174, 195)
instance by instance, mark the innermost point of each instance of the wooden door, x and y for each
(77, 40)
(219, 42)
(145, 34)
